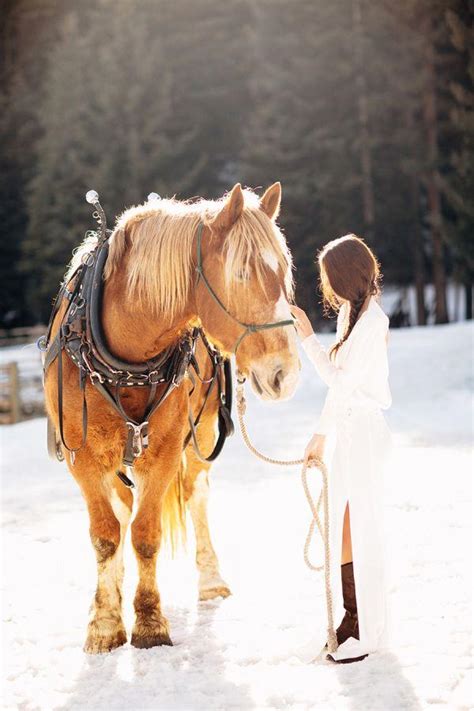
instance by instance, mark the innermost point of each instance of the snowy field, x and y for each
(238, 653)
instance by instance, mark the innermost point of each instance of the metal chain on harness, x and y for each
(315, 508)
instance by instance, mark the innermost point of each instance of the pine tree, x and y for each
(394, 87)
(26, 32)
(107, 123)
(305, 130)
(330, 121)
(364, 117)
(458, 185)
(207, 51)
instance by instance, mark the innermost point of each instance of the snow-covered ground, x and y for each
(239, 653)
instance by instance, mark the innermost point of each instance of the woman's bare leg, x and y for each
(346, 556)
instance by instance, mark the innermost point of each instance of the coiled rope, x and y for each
(315, 509)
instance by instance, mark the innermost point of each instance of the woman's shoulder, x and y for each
(375, 315)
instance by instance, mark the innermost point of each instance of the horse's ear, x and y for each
(231, 210)
(270, 201)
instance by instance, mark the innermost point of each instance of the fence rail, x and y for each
(21, 383)
(19, 336)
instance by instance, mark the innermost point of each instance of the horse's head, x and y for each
(246, 283)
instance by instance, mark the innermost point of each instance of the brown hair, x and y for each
(349, 271)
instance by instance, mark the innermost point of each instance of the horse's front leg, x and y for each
(151, 627)
(110, 507)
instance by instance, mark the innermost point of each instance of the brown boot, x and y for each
(349, 626)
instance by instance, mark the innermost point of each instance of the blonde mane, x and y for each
(159, 237)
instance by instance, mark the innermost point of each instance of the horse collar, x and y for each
(80, 334)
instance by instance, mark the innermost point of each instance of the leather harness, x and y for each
(80, 334)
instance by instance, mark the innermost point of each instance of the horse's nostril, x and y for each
(256, 383)
(277, 379)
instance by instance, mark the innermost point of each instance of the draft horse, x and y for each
(173, 268)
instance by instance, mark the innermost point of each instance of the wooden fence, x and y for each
(21, 383)
(20, 336)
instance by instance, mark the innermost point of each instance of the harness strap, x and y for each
(52, 350)
(82, 385)
(201, 409)
(55, 351)
(222, 372)
(137, 432)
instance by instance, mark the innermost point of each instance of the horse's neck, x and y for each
(133, 333)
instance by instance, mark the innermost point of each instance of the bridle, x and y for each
(248, 327)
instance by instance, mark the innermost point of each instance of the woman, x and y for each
(356, 372)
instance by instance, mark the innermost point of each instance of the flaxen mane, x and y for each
(159, 237)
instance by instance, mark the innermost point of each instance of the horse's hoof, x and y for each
(151, 640)
(97, 643)
(150, 633)
(216, 591)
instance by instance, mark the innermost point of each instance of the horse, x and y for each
(152, 294)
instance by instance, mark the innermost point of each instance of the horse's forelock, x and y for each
(159, 240)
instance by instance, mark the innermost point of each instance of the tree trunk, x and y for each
(418, 261)
(468, 298)
(417, 244)
(432, 190)
(363, 111)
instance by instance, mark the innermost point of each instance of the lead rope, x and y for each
(316, 521)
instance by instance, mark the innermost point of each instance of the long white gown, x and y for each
(358, 390)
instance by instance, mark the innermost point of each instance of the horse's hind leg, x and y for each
(110, 507)
(211, 584)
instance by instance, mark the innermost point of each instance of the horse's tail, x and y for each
(173, 512)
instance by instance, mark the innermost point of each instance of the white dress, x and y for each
(358, 391)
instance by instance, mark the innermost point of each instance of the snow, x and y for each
(239, 653)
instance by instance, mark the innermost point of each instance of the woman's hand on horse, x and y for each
(314, 451)
(302, 322)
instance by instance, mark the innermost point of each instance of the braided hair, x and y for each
(349, 273)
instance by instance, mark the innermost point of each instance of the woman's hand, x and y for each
(315, 449)
(302, 324)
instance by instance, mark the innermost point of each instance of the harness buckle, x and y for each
(66, 330)
(76, 306)
(176, 380)
(181, 371)
(96, 377)
(139, 437)
(139, 377)
(217, 358)
(87, 258)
